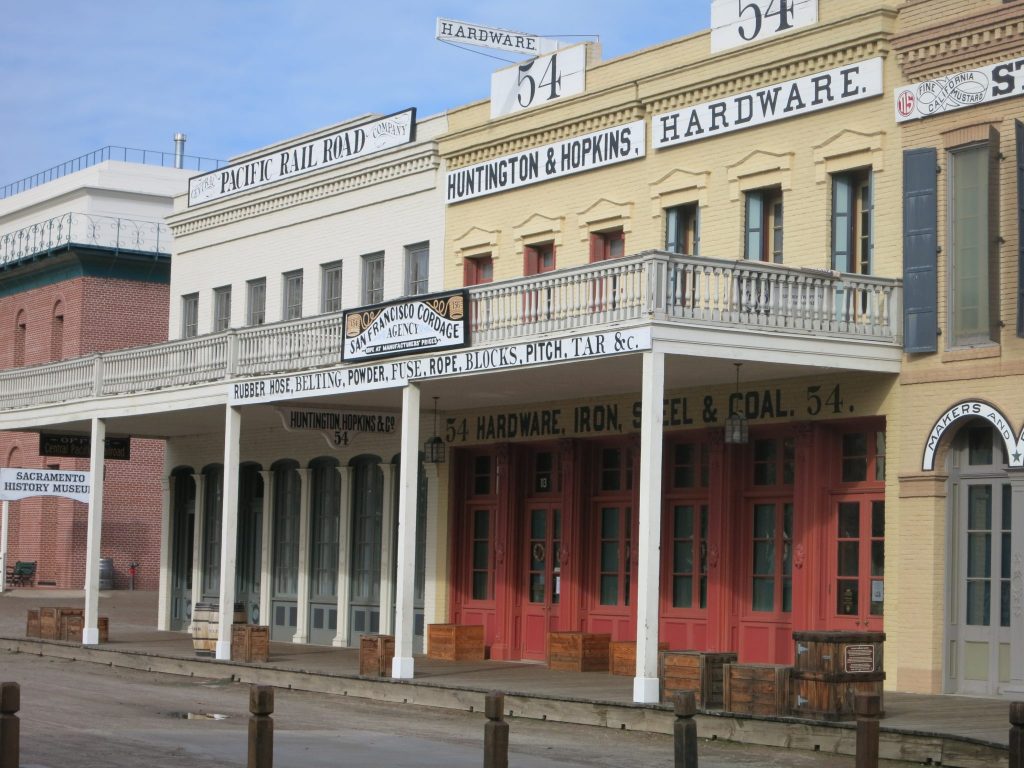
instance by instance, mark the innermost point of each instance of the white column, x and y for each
(431, 566)
(302, 616)
(344, 529)
(1016, 684)
(229, 530)
(266, 539)
(402, 664)
(94, 534)
(163, 606)
(645, 684)
(387, 550)
(3, 546)
(199, 523)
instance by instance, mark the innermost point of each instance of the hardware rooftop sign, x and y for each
(343, 146)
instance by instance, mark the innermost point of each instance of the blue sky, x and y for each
(235, 75)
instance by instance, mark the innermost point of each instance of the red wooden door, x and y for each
(856, 588)
(542, 539)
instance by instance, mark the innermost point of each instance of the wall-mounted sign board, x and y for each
(539, 81)
(423, 324)
(80, 446)
(24, 483)
(959, 90)
(742, 22)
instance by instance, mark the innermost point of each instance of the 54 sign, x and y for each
(738, 22)
(539, 81)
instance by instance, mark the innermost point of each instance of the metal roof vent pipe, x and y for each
(179, 150)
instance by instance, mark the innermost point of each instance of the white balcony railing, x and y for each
(653, 286)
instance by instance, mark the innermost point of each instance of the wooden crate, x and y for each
(32, 623)
(821, 696)
(838, 653)
(622, 656)
(69, 624)
(697, 671)
(455, 642)
(49, 623)
(756, 689)
(375, 655)
(250, 642)
(578, 651)
(103, 625)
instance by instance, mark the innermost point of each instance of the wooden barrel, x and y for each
(206, 626)
(831, 669)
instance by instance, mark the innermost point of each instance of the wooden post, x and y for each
(10, 703)
(495, 731)
(867, 707)
(261, 726)
(685, 730)
(1016, 734)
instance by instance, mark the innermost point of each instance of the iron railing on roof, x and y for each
(110, 232)
(110, 152)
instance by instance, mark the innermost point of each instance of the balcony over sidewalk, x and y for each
(650, 287)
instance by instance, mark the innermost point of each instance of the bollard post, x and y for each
(495, 731)
(685, 730)
(1016, 734)
(10, 703)
(261, 726)
(868, 708)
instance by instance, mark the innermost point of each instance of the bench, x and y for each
(22, 574)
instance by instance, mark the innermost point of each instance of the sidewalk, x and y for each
(951, 730)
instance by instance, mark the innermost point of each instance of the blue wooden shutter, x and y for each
(755, 214)
(1020, 228)
(842, 209)
(920, 250)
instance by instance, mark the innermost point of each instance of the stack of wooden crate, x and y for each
(756, 689)
(831, 669)
(697, 671)
(250, 642)
(375, 655)
(578, 651)
(455, 642)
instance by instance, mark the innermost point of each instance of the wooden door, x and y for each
(542, 539)
(856, 589)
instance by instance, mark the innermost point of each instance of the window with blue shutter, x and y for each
(920, 250)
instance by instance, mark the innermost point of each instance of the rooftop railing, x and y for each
(111, 232)
(652, 286)
(97, 156)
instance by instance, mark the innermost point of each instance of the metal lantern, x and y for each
(433, 449)
(736, 426)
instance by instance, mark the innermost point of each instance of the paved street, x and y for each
(80, 715)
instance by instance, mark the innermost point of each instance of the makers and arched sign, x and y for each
(974, 409)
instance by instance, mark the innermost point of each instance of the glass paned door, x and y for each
(367, 519)
(857, 589)
(543, 541)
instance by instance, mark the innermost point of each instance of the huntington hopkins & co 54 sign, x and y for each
(438, 321)
(345, 145)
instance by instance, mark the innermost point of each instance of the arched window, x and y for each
(324, 528)
(57, 332)
(19, 338)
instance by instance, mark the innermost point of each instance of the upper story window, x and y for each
(763, 240)
(292, 299)
(974, 275)
(607, 245)
(256, 302)
(373, 278)
(57, 332)
(682, 229)
(20, 331)
(417, 269)
(851, 221)
(539, 258)
(190, 315)
(221, 308)
(478, 270)
(774, 461)
(330, 287)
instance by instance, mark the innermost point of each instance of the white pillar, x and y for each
(163, 607)
(344, 528)
(1016, 685)
(94, 534)
(229, 530)
(431, 564)
(387, 550)
(198, 525)
(402, 664)
(645, 684)
(266, 554)
(3, 546)
(302, 615)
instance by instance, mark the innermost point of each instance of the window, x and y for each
(607, 245)
(773, 564)
(539, 258)
(478, 270)
(689, 534)
(851, 222)
(292, 299)
(20, 332)
(482, 588)
(774, 462)
(863, 457)
(330, 287)
(417, 269)
(764, 225)
(973, 301)
(190, 315)
(373, 278)
(682, 229)
(57, 332)
(256, 297)
(221, 308)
